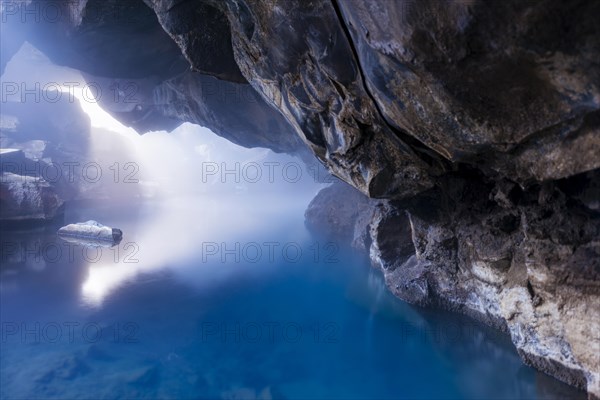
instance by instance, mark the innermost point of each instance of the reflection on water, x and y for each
(183, 231)
(230, 298)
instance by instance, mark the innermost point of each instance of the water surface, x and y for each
(231, 298)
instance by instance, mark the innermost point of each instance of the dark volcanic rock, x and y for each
(477, 120)
(347, 220)
(524, 262)
(233, 110)
(103, 38)
(145, 81)
(306, 68)
(203, 34)
(385, 93)
(510, 85)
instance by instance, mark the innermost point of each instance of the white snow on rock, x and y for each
(91, 230)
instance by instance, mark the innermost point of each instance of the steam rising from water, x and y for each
(193, 186)
(191, 159)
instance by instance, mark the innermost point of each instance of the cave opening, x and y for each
(289, 199)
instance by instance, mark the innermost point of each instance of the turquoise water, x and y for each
(231, 298)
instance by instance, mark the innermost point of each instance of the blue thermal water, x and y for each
(231, 299)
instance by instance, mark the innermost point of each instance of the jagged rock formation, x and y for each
(345, 220)
(510, 86)
(144, 79)
(526, 262)
(477, 120)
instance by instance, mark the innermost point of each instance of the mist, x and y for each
(192, 185)
(158, 164)
(242, 199)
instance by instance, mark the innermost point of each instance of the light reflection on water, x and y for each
(175, 232)
(165, 315)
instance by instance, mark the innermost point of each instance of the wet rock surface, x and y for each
(39, 142)
(488, 83)
(477, 121)
(91, 232)
(347, 220)
(27, 199)
(525, 262)
(146, 81)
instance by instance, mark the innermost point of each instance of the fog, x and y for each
(190, 159)
(187, 186)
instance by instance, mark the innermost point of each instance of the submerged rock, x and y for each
(91, 232)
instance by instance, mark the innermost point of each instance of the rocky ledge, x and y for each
(525, 262)
(37, 140)
(27, 199)
(477, 121)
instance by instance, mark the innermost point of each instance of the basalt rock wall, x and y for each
(476, 122)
